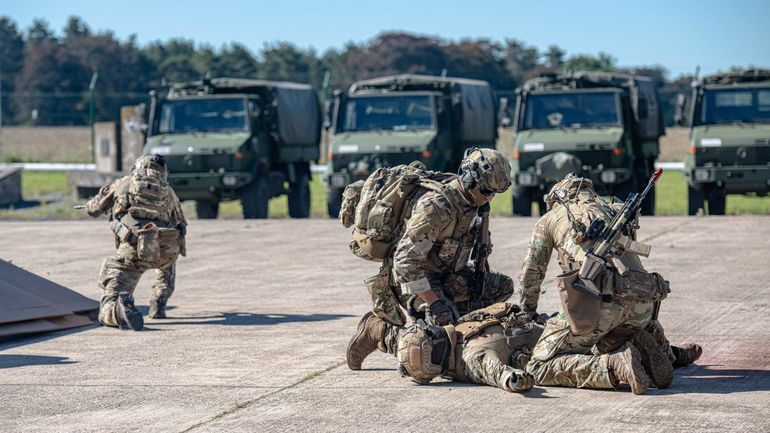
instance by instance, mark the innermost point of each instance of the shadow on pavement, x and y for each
(22, 340)
(249, 319)
(718, 379)
(11, 361)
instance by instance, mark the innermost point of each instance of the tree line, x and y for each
(45, 75)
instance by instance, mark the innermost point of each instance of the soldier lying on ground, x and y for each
(587, 344)
(425, 262)
(149, 227)
(490, 346)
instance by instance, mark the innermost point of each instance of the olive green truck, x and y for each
(729, 121)
(604, 126)
(230, 138)
(398, 119)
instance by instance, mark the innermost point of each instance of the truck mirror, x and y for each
(681, 100)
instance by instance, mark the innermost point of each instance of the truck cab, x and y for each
(584, 123)
(729, 139)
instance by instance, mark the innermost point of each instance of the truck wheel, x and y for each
(255, 198)
(206, 210)
(333, 201)
(299, 197)
(522, 201)
(694, 200)
(716, 198)
(538, 197)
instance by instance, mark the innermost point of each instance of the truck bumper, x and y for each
(735, 180)
(606, 176)
(209, 186)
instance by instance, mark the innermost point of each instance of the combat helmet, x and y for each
(151, 166)
(487, 167)
(425, 351)
(567, 189)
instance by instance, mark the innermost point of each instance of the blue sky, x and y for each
(676, 34)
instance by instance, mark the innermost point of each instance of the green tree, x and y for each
(11, 60)
(586, 62)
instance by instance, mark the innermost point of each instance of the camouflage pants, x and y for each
(388, 300)
(487, 359)
(121, 272)
(561, 358)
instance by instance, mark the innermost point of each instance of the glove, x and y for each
(521, 381)
(442, 313)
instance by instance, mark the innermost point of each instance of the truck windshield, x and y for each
(735, 105)
(190, 115)
(572, 110)
(396, 113)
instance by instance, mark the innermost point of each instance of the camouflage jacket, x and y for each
(114, 198)
(438, 238)
(554, 231)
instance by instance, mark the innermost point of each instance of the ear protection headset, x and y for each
(469, 170)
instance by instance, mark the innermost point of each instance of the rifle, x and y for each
(612, 238)
(482, 250)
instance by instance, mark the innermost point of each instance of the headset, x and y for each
(470, 172)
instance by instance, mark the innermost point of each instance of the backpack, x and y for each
(148, 198)
(379, 207)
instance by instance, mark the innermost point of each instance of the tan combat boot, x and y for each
(654, 360)
(687, 354)
(370, 333)
(625, 366)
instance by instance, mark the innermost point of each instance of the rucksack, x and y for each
(148, 198)
(379, 207)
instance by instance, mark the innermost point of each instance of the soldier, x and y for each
(428, 273)
(490, 346)
(588, 346)
(149, 227)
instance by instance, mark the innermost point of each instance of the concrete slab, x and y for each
(263, 310)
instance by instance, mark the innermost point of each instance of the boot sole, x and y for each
(133, 317)
(640, 385)
(359, 331)
(655, 362)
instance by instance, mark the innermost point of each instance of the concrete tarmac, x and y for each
(262, 312)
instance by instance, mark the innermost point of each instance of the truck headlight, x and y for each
(702, 175)
(527, 179)
(229, 180)
(337, 180)
(608, 177)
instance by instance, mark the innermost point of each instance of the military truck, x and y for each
(604, 126)
(729, 138)
(398, 119)
(230, 138)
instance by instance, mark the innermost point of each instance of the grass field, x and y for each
(56, 199)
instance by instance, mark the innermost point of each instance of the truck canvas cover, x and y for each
(474, 98)
(30, 303)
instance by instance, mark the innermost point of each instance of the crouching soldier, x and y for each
(490, 346)
(149, 227)
(606, 333)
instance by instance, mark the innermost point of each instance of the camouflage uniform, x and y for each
(121, 271)
(492, 347)
(560, 357)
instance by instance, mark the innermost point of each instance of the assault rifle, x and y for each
(612, 239)
(482, 250)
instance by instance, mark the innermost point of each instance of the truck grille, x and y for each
(375, 160)
(198, 163)
(754, 155)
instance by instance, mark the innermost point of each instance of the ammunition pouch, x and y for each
(641, 287)
(122, 231)
(385, 304)
(368, 248)
(582, 310)
(148, 243)
(350, 198)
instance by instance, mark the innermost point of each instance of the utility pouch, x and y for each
(148, 243)
(350, 198)
(168, 236)
(384, 302)
(367, 248)
(122, 232)
(642, 287)
(582, 310)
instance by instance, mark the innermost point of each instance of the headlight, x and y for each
(229, 180)
(609, 177)
(337, 180)
(527, 179)
(702, 175)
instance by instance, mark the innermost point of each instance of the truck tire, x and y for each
(255, 198)
(333, 201)
(522, 201)
(716, 198)
(540, 200)
(299, 197)
(694, 200)
(206, 210)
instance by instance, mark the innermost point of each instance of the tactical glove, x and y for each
(442, 313)
(521, 381)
